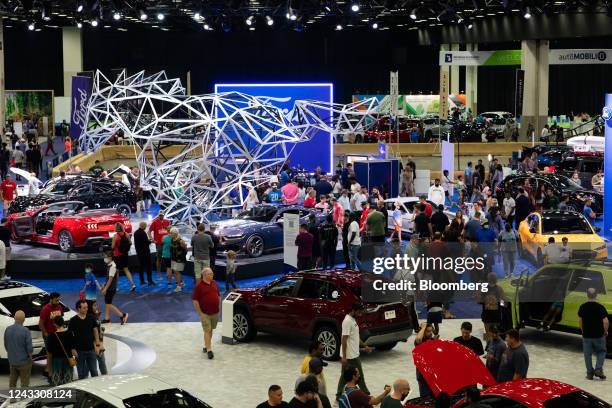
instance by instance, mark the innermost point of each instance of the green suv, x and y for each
(531, 297)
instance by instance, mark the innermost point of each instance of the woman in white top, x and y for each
(251, 200)
(337, 186)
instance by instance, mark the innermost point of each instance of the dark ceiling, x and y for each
(298, 15)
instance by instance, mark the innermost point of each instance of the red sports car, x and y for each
(450, 367)
(68, 224)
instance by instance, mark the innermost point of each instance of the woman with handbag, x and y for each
(63, 354)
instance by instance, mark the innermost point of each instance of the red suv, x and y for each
(312, 305)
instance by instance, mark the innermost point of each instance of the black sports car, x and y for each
(559, 184)
(471, 132)
(94, 192)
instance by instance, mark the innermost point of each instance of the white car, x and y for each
(16, 296)
(119, 391)
(587, 143)
(407, 208)
(498, 121)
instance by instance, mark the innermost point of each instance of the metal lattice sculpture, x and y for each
(197, 152)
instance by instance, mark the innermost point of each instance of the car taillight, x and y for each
(92, 226)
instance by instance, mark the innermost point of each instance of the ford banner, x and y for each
(81, 88)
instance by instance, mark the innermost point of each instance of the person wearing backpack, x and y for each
(121, 245)
(353, 396)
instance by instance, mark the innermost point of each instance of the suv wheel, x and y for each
(244, 331)
(254, 246)
(329, 338)
(124, 210)
(386, 346)
(65, 241)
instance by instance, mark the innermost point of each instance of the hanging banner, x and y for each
(480, 58)
(81, 89)
(444, 84)
(519, 89)
(578, 56)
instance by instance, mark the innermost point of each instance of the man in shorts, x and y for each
(9, 189)
(206, 299)
(157, 231)
(201, 244)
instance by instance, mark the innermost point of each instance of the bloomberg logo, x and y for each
(584, 56)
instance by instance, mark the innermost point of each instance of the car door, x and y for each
(546, 286)
(407, 209)
(271, 311)
(314, 299)
(582, 279)
(23, 227)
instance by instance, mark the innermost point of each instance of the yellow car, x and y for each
(535, 230)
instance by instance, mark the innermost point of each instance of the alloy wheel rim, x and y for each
(240, 326)
(64, 240)
(329, 343)
(256, 246)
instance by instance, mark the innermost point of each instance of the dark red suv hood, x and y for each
(449, 367)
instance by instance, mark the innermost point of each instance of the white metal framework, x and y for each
(201, 153)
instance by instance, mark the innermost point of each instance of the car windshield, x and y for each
(169, 398)
(263, 214)
(565, 225)
(57, 188)
(31, 303)
(565, 183)
(576, 399)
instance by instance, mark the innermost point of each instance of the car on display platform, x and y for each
(384, 130)
(407, 210)
(16, 296)
(260, 228)
(117, 391)
(535, 230)
(472, 132)
(592, 143)
(433, 127)
(312, 305)
(437, 361)
(68, 224)
(94, 192)
(558, 183)
(547, 155)
(532, 295)
(587, 164)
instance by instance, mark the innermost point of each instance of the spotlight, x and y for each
(249, 21)
(293, 17)
(143, 15)
(206, 27)
(338, 27)
(269, 21)
(80, 7)
(79, 24)
(31, 26)
(413, 14)
(374, 25)
(355, 7)
(94, 22)
(160, 16)
(288, 15)
(116, 15)
(197, 16)
(527, 14)
(46, 11)
(470, 26)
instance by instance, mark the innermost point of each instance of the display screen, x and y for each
(315, 152)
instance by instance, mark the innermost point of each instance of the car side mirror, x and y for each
(532, 230)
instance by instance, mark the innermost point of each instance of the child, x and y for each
(397, 222)
(230, 271)
(91, 284)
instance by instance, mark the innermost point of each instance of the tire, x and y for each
(572, 207)
(386, 347)
(243, 328)
(329, 337)
(254, 246)
(64, 239)
(124, 210)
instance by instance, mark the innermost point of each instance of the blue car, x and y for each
(260, 228)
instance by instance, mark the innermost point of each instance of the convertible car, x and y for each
(94, 192)
(260, 228)
(437, 361)
(68, 224)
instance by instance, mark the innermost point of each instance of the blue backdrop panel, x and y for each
(607, 115)
(319, 150)
(378, 173)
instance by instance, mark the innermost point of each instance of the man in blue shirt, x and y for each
(283, 176)
(588, 212)
(275, 195)
(468, 178)
(18, 345)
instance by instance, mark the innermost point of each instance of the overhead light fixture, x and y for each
(374, 25)
(143, 15)
(46, 11)
(327, 8)
(31, 26)
(206, 27)
(197, 15)
(116, 15)
(94, 22)
(160, 16)
(80, 6)
(338, 27)
(79, 24)
(293, 17)
(269, 21)
(527, 14)
(413, 14)
(355, 7)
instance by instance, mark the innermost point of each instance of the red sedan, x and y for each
(67, 224)
(450, 367)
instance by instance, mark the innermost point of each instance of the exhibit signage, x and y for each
(607, 116)
(580, 56)
(81, 89)
(519, 89)
(418, 105)
(291, 229)
(444, 84)
(480, 58)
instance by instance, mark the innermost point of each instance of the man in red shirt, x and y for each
(45, 322)
(304, 242)
(428, 209)
(206, 300)
(157, 231)
(365, 211)
(8, 188)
